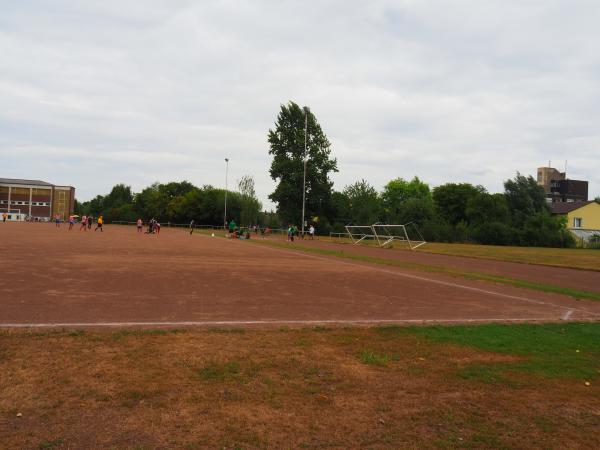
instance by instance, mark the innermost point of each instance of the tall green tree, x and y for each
(152, 202)
(485, 207)
(250, 205)
(489, 219)
(119, 195)
(363, 203)
(287, 147)
(406, 201)
(451, 200)
(524, 197)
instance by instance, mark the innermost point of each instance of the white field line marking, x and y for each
(430, 280)
(276, 322)
(567, 315)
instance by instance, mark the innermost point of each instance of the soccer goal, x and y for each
(359, 233)
(407, 233)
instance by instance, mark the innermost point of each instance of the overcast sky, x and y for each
(94, 93)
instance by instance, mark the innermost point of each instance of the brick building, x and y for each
(559, 188)
(36, 199)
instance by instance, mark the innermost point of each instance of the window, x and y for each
(577, 222)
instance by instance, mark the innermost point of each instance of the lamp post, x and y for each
(305, 160)
(226, 173)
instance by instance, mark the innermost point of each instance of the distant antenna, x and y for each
(565, 169)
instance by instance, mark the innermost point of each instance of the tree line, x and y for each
(453, 212)
(458, 212)
(178, 202)
(301, 167)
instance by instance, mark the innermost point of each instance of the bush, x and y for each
(437, 231)
(494, 233)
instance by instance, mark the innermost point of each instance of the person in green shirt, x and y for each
(232, 226)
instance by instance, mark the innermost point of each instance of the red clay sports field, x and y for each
(56, 277)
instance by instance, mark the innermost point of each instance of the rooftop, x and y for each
(20, 181)
(567, 207)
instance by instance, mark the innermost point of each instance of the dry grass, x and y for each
(309, 388)
(575, 258)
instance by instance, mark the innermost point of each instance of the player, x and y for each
(139, 225)
(191, 227)
(83, 223)
(99, 224)
(311, 232)
(71, 222)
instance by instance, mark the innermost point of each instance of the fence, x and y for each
(282, 231)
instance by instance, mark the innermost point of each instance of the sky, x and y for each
(95, 93)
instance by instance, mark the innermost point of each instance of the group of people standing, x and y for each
(86, 222)
(293, 232)
(153, 226)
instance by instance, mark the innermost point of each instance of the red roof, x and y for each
(567, 207)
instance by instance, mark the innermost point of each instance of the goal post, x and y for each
(358, 233)
(407, 233)
(385, 234)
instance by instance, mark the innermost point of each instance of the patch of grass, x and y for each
(227, 330)
(77, 333)
(374, 358)
(51, 444)
(485, 373)
(219, 372)
(302, 342)
(575, 258)
(394, 330)
(533, 285)
(544, 424)
(147, 332)
(241, 387)
(133, 397)
(485, 440)
(552, 350)
(536, 286)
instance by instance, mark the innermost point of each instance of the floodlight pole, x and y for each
(226, 173)
(305, 160)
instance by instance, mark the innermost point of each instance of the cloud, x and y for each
(96, 93)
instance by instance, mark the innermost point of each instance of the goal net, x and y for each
(359, 233)
(408, 233)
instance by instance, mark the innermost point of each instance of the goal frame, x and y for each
(358, 237)
(386, 234)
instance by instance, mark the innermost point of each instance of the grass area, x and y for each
(574, 258)
(536, 286)
(492, 386)
(553, 350)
